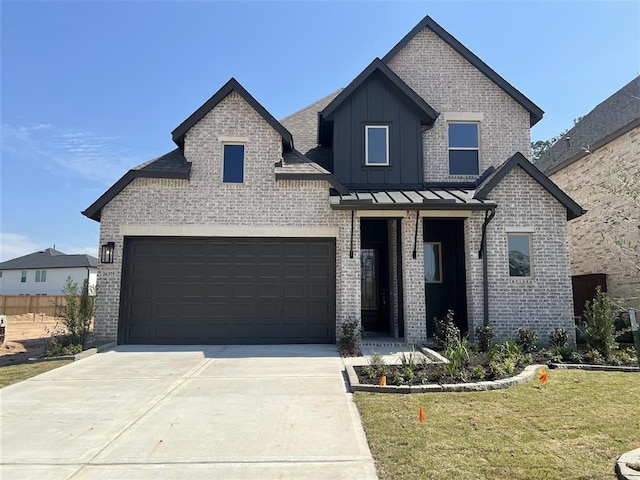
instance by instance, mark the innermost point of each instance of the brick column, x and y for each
(415, 326)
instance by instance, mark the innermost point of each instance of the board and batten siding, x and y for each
(376, 103)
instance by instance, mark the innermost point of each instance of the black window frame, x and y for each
(228, 168)
(461, 151)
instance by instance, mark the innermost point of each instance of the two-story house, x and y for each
(593, 162)
(402, 196)
(46, 272)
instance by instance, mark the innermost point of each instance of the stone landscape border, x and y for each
(527, 374)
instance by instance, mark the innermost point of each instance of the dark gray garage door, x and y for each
(227, 291)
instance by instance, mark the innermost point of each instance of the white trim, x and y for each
(463, 117)
(366, 145)
(226, 231)
(224, 139)
(412, 213)
(518, 229)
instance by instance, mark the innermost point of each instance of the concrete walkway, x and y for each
(232, 412)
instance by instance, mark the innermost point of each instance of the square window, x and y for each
(41, 275)
(463, 149)
(433, 262)
(23, 277)
(519, 245)
(376, 145)
(233, 163)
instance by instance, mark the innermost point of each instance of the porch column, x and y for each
(415, 325)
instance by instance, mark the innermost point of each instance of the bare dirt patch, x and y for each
(26, 336)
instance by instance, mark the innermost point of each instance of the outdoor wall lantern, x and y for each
(106, 252)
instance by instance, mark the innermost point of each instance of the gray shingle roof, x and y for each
(303, 125)
(170, 165)
(614, 117)
(49, 258)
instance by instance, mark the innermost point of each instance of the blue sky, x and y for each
(91, 89)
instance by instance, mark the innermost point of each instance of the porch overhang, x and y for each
(427, 199)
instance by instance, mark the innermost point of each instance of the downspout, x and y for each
(482, 253)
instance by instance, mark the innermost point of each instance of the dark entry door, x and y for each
(445, 280)
(227, 291)
(374, 257)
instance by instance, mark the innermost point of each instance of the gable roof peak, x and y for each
(535, 112)
(377, 65)
(519, 160)
(232, 85)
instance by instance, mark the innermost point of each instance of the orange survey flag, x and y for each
(421, 414)
(543, 375)
(383, 381)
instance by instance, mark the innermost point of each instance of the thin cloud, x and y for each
(83, 154)
(14, 245)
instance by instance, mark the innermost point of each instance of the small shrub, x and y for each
(600, 314)
(348, 340)
(527, 340)
(484, 335)
(458, 355)
(376, 362)
(77, 311)
(594, 357)
(559, 338)
(446, 332)
(478, 372)
(562, 352)
(408, 360)
(576, 357)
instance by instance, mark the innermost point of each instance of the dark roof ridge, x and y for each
(379, 65)
(170, 165)
(232, 85)
(518, 160)
(535, 112)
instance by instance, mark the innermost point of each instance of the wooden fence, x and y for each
(21, 304)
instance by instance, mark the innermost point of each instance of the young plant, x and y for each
(559, 338)
(446, 332)
(527, 340)
(77, 311)
(458, 355)
(484, 335)
(348, 340)
(600, 314)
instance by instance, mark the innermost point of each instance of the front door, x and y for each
(444, 271)
(374, 276)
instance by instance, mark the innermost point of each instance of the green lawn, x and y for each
(16, 373)
(574, 427)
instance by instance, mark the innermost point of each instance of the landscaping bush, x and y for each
(559, 338)
(348, 339)
(484, 335)
(527, 340)
(458, 355)
(600, 314)
(446, 332)
(76, 314)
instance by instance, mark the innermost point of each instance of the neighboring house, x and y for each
(591, 162)
(386, 203)
(46, 273)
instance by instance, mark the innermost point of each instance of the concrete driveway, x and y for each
(228, 412)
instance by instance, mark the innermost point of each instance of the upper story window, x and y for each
(41, 275)
(376, 148)
(464, 158)
(23, 277)
(232, 163)
(519, 246)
